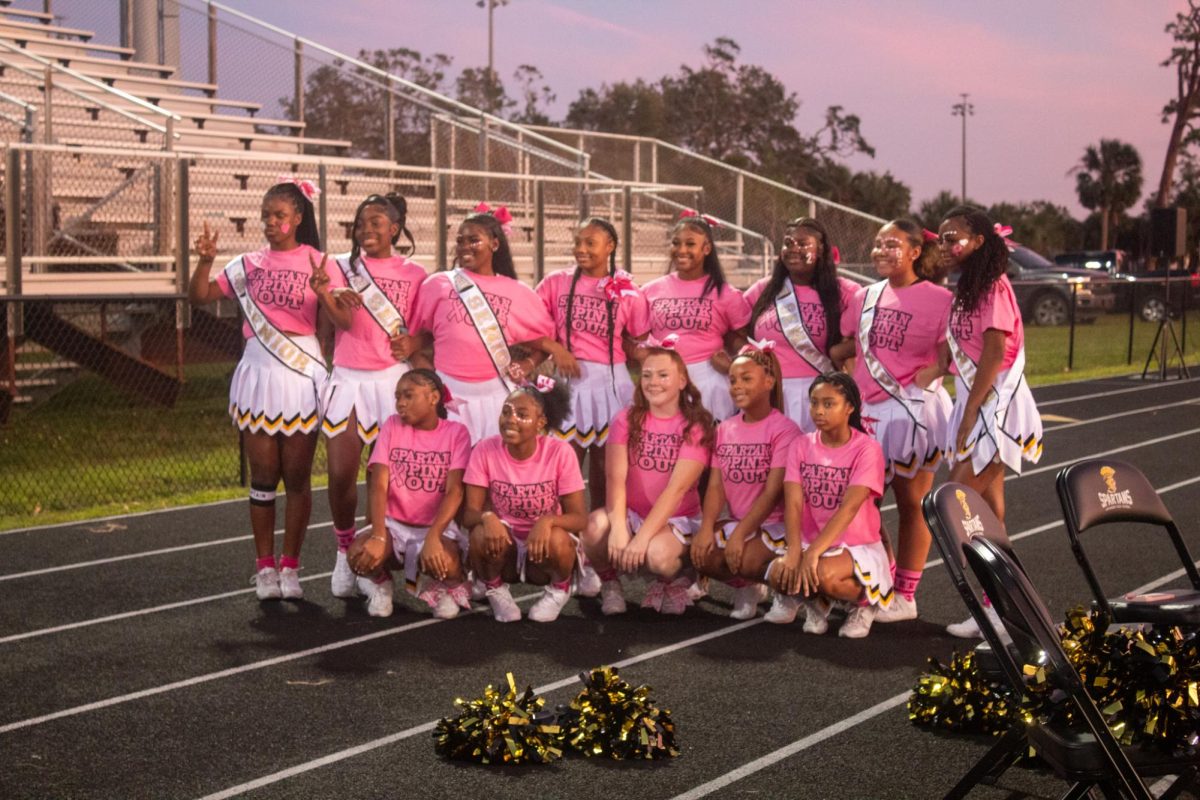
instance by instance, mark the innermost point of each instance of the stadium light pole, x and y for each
(964, 110)
(491, 5)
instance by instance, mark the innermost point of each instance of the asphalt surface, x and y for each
(136, 661)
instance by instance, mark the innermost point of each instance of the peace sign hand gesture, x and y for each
(206, 244)
(320, 278)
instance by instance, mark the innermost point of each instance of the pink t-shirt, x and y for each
(522, 492)
(745, 452)
(909, 323)
(589, 317)
(418, 463)
(278, 283)
(997, 310)
(826, 472)
(812, 314)
(652, 460)
(676, 307)
(457, 349)
(366, 345)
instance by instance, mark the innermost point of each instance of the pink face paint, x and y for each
(957, 248)
(285, 228)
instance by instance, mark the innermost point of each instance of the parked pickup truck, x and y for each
(1134, 286)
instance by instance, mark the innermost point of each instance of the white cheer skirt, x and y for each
(907, 447)
(795, 402)
(714, 389)
(369, 394)
(481, 403)
(407, 541)
(872, 570)
(597, 395)
(1013, 436)
(267, 397)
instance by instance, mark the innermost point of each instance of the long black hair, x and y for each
(396, 209)
(306, 231)
(926, 264)
(982, 268)
(502, 260)
(609, 305)
(824, 281)
(848, 389)
(427, 377)
(712, 264)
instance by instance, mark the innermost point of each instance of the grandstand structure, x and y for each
(126, 125)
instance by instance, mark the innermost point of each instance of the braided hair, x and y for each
(427, 377)
(712, 263)
(848, 389)
(770, 363)
(982, 268)
(502, 260)
(306, 231)
(609, 305)
(396, 209)
(824, 281)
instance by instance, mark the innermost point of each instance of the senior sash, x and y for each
(485, 322)
(792, 325)
(375, 300)
(995, 405)
(911, 397)
(275, 341)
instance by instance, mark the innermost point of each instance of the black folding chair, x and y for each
(955, 513)
(1099, 492)
(1085, 752)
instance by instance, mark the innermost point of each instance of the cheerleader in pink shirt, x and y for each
(657, 451)
(275, 395)
(895, 331)
(596, 308)
(695, 302)
(995, 422)
(416, 473)
(834, 552)
(382, 288)
(805, 292)
(473, 316)
(525, 504)
(747, 475)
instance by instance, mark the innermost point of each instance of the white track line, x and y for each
(828, 732)
(1118, 415)
(417, 730)
(1094, 395)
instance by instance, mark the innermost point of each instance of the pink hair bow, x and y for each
(544, 383)
(306, 187)
(835, 255)
(929, 235)
(758, 345)
(1005, 231)
(668, 342)
(619, 285)
(691, 212)
(501, 213)
(449, 402)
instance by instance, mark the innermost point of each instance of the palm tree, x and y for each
(1108, 179)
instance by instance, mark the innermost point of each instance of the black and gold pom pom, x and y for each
(958, 697)
(500, 728)
(612, 719)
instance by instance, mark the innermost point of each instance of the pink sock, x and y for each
(494, 583)
(907, 581)
(609, 574)
(863, 602)
(264, 562)
(737, 583)
(345, 538)
(562, 586)
(289, 561)
(986, 602)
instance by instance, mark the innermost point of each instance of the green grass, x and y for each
(92, 451)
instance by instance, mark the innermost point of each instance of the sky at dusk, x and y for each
(1046, 78)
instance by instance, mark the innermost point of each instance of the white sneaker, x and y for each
(698, 589)
(266, 584)
(858, 622)
(504, 608)
(612, 597)
(477, 587)
(289, 584)
(445, 608)
(342, 584)
(900, 610)
(746, 600)
(380, 596)
(969, 628)
(816, 619)
(549, 605)
(784, 609)
(588, 581)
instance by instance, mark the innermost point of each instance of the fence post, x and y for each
(323, 207)
(439, 224)
(539, 231)
(1132, 310)
(654, 161)
(627, 228)
(389, 126)
(739, 215)
(812, 208)
(212, 43)
(299, 79)
(12, 244)
(183, 261)
(1071, 333)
